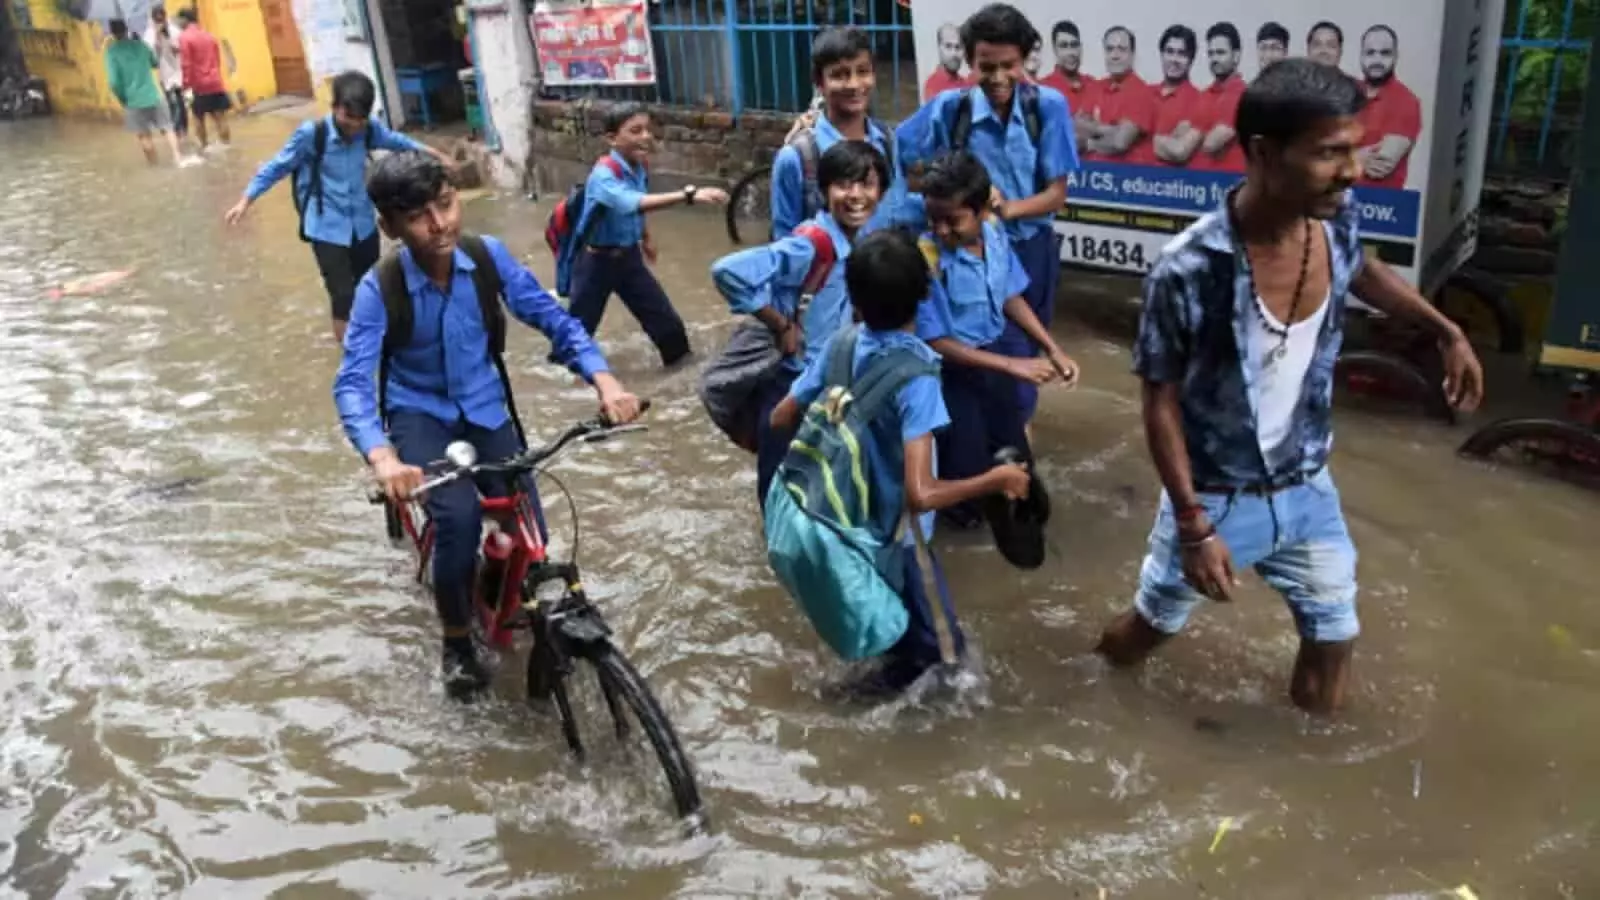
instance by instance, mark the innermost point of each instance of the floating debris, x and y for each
(1223, 828)
(91, 284)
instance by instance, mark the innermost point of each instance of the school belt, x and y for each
(1275, 485)
(608, 251)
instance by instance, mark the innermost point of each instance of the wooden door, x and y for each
(288, 52)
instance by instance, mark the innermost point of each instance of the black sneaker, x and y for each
(465, 678)
(1018, 525)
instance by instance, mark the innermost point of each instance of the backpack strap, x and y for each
(960, 124)
(889, 150)
(822, 259)
(841, 359)
(491, 290)
(930, 255)
(883, 379)
(1033, 123)
(398, 310)
(805, 144)
(942, 631)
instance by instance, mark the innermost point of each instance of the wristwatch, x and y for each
(689, 191)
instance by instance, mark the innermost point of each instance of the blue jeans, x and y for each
(600, 272)
(1041, 258)
(1295, 539)
(454, 509)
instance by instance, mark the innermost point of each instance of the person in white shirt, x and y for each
(162, 37)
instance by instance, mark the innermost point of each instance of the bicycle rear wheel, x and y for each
(632, 705)
(749, 212)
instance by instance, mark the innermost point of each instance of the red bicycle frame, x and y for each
(527, 551)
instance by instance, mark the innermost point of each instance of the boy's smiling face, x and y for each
(852, 203)
(634, 139)
(846, 85)
(955, 224)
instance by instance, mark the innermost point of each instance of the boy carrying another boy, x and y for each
(978, 287)
(614, 244)
(843, 74)
(880, 382)
(771, 282)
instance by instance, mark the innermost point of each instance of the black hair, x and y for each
(1133, 42)
(850, 162)
(1183, 33)
(1291, 96)
(1386, 30)
(189, 15)
(999, 23)
(354, 93)
(1272, 31)
(959, 177)
(1065, 26)
(1325, 25)
(405, 181)
(118, 28)
(1224, 30)
(837, 45)
(618, 116)
(887, 277)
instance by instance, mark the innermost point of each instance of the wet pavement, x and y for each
(218, 680)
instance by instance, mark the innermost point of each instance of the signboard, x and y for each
(1173, 67)
(606, 42)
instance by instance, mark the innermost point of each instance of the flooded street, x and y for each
(218, 680)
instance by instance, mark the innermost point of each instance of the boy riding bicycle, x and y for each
(422, 368)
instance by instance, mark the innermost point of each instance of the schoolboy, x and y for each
(978, 288)
(887, 279)
(766, 282)
(842, 72)
(617, 246)
(1030, 173)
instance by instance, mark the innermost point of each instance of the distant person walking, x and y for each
(201, 60)
(128, 66)
(162, 37)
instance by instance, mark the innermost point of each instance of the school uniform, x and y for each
(791, 206)
(1017, 168)
(967, 304)
(918, 411)
(611, 261)
(772, 275)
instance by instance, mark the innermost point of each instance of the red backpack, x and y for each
(561, 227)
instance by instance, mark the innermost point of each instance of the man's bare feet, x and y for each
(1321, 676)
(1130, 640)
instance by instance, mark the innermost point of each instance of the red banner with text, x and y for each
(605, 42)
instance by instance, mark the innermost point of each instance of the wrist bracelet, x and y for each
(1200, 541)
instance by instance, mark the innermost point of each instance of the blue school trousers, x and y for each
(984, 417)
(599, 272)
(1041, 258)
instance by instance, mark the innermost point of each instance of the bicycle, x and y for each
(1569, 445)
(567, 631)
(751, 195)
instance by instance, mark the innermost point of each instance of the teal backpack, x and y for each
(845, 577)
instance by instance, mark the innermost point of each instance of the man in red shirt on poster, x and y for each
(952, 55)
(1180, 108)
(1392, 118)
(1122, 109)
(201, 60)
(1219, 149)
(1068, 78)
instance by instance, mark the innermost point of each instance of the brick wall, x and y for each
(703, 146)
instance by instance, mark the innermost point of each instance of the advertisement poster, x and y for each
(1176, 72)
(606, 42)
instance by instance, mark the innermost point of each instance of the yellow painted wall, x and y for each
(68, 55)
(77, 76)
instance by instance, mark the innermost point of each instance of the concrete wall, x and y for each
(508, 84)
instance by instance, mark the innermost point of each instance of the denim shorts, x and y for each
(1295, 539)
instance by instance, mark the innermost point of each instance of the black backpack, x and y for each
(312, 184)
(397, 305)
(960, 126)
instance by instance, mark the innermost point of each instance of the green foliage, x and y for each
(1534, 71)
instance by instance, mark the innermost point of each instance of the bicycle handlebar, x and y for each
(590, 431)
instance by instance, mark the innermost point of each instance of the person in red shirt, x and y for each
(1068, 78)
(201, 59)
(1392, 118)
(1122, 111)
(952, 55)
(1325, 43)
(1219, 149)
(1180, 109)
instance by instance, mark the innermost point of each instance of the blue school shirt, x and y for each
(1005, 150)
(789, 181)
(446, 372)
(969, 293)
(772, 276)
(346, 215)
(918, 410)
(616, 201)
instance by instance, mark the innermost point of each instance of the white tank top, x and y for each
(1281, 367)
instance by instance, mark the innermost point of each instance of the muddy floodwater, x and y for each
(217, 679)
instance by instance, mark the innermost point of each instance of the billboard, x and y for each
(607, 42)
(1153, 87)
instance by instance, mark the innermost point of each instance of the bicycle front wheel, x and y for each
(749, 210)
(633, 708)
